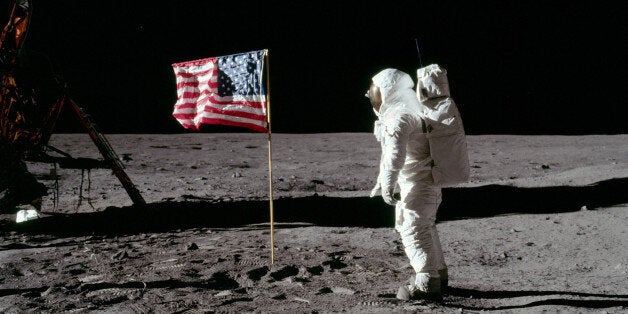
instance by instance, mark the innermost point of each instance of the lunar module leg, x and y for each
(108, 153)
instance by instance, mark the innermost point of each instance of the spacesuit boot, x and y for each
(425, 287)
(444, 280)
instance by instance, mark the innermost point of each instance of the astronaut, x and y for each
(406, 162)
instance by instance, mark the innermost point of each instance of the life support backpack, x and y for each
(443, 127)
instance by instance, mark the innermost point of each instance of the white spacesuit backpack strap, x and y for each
(444, 128)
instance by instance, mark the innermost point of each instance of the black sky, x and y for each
(515, 67)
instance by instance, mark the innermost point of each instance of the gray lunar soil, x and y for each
(540, 226)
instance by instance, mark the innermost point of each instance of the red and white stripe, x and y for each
(198, 101)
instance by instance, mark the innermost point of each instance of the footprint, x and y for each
(315, 270)
(257, 273)
(108, 296)
(378, 303)
(250, 262)
(335, 264)
(285, 272)
(236, 300)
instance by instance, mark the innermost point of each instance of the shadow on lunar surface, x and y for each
(458, 203)
(500, 294)
(494, 200)
(607, 301)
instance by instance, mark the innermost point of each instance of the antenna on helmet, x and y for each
(416, 41)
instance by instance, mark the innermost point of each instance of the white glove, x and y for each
(387, 195)
(376, 190)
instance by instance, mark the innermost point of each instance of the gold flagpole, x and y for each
(270, 162)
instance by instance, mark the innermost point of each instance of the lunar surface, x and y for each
(540, 226)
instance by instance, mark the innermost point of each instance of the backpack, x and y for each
(443, 126)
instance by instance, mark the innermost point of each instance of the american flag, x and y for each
(221, 90)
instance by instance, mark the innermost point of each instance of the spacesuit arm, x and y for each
(377, 189)
(377, 131)
(396, 135)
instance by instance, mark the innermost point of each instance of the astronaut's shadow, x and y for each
(494, 200)
(564, 298)
(458, 203)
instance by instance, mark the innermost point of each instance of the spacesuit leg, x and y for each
(439, 259)
(419, 236)
(438, 250)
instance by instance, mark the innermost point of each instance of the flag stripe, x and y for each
(189, 108)
(186, 75)
(183, 115)
(200, 63)
(196, 93)
(195, 124)
(196, 84)
(251, 126)
(195, 96)
(231, 118)
(191, 103)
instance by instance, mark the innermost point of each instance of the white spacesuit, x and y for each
(406, 161)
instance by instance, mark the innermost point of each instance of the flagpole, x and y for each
(270, 163)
